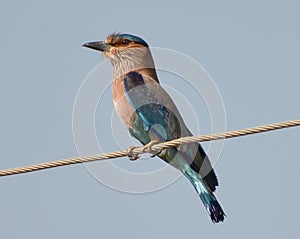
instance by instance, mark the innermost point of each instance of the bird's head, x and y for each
(126, 52)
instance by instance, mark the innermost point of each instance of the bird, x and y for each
(150, 114)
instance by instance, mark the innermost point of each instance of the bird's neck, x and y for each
(139, 60)
(150, 72)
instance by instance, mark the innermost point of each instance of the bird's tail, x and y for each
(209, 200)
(178, 160)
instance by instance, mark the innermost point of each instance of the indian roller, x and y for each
(150, 114)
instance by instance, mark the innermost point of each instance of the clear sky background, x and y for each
(250, 48)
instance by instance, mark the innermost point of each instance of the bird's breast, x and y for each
(122, 106)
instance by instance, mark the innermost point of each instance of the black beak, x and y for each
(98, 45)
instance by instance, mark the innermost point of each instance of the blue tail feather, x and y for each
(212, 206)
(210, 202)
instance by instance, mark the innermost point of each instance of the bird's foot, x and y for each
(148, 148)
(132, 155)
(145, 149)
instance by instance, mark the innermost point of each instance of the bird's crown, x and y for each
(124, 38)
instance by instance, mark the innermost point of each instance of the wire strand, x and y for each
(135, 152)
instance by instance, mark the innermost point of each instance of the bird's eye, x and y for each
(124, 42)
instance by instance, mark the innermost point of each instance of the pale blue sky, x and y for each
(251, 49)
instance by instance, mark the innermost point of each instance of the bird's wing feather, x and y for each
(157, 117)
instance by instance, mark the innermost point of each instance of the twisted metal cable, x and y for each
(135, 152)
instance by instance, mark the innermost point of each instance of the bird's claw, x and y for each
(145, 149)
(132, 155)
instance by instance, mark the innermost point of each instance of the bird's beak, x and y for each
(98, 45)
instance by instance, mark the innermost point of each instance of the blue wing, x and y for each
(153, 118)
